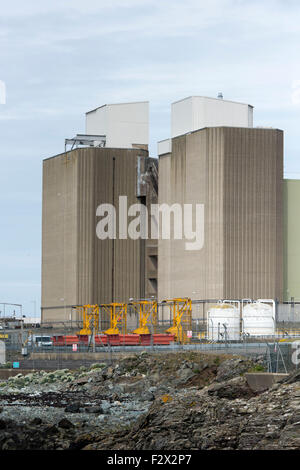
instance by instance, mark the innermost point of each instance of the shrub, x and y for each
(217, 360)
(97, 366)
(257, 368)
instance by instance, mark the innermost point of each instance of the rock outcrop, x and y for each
(159, 402)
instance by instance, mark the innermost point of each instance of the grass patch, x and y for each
(217, 360)
(257, 368)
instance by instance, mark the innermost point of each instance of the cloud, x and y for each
(68, 21)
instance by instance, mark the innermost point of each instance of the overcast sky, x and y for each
(59, 59)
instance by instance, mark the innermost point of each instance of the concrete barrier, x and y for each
(261, 381)
(77, 356)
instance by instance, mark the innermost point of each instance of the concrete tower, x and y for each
(77, 267)
(236, 172)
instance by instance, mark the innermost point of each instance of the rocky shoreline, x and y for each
(158, 402)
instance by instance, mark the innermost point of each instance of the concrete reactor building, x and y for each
(109, 161)
(240, 241)
(217, 159)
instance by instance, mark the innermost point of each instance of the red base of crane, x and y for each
(114, 340)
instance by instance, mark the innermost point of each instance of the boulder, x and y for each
(292, 378)
(290, 437)
(147, 396)
(81, 380)
(232, 368)
(65, 424)
(2, 424)
(36, 421)
(232, 389)
(73, 408)
(184, 375)
(94, 409)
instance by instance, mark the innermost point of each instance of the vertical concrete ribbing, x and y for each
(243, 215)
(76, 265)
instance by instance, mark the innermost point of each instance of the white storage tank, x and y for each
(258, 318)
(223, 322)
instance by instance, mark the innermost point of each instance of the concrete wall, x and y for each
(77, 267)
(291, 201)
(253, 210)
(164, 246)
(237, 174)
(59, 234)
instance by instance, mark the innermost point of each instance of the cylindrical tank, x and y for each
(258, 319)
(223, 323)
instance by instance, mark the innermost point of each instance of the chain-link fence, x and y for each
(61, 342)
(277, 356)
(283, 357)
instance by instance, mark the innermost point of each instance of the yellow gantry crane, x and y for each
(147, 312)
(118, 318)
(91, 318)
(181, 314)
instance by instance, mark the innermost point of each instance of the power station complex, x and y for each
(216, 163)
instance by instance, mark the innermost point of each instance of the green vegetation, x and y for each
(7, 365)
(217, 360)
(257, 368)
(97, 366)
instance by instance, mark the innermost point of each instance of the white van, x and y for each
(40, 341)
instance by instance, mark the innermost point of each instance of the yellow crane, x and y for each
(117, 317)
(181, 314)
(90, 317)
(147, 312)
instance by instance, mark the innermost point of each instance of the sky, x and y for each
(59, 59)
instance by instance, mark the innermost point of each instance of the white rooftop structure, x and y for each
(164, 146)
(197, 112)
(124, 125)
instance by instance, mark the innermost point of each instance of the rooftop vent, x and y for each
(220, 95)
(82, 140)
